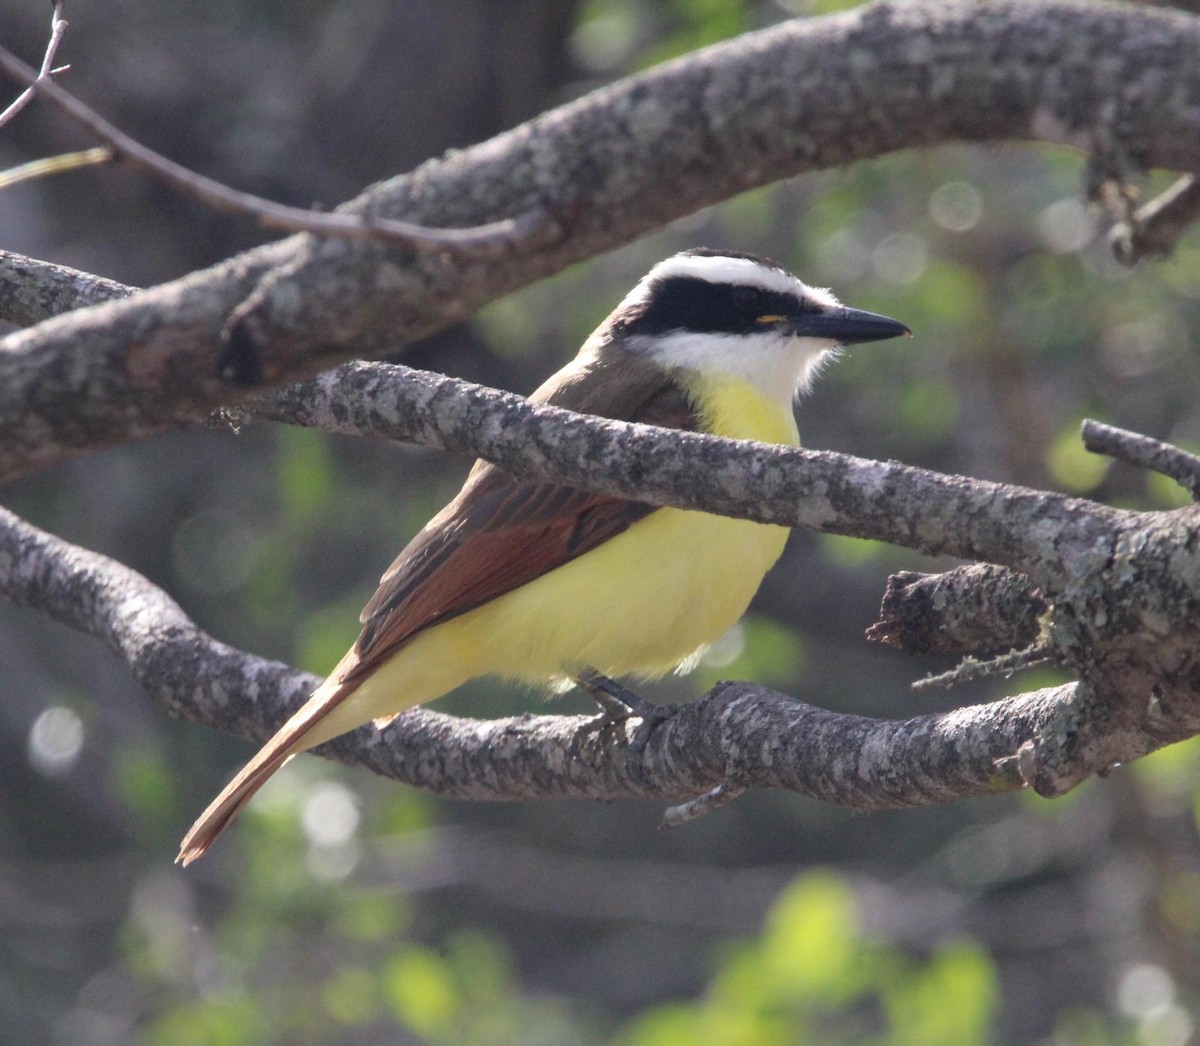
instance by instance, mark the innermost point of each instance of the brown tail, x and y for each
(297, 734)
(229, 803)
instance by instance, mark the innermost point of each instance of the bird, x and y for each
(544, 583)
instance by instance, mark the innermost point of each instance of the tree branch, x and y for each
(739, 736)
(766, 483)
(32, 290)
(799, 97)
(50, 165)
(981, 609)
(1040, 533)
(1123, 589)
(1120, 614)
(771, 484)
(1147, 453)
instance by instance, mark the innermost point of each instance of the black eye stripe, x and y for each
(688, 303)
(750, 299)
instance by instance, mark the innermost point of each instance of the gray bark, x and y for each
(803, 96)
(739, 736)
(977, 610)
(1120, 589)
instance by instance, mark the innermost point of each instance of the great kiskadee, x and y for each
(543, 583)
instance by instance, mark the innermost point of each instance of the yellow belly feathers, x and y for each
(637, 605)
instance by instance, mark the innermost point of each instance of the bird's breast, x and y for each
(640, 603)
(646, 599)
(738, 410)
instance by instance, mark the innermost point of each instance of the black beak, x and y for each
(847, 326)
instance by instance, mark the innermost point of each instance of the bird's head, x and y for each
(719, 311)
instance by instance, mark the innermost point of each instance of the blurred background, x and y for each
(344, 908)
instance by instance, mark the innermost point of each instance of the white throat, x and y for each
(777, 366)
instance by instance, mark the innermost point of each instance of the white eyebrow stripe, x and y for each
(725, 269)
(721, 269)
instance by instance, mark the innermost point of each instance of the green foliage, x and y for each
(508, 326)
(808, 956)
(1043, 677)
(1172, 771)
(929, 409)
(946, 1002)
(228, 1019)
(351, 996)
(812, 977)
(751, 215)
(1180, 899)
(305, 471)
(821, 7)
(1164, 493)
(326, 634)
(696, 24)
(851, 551)
(421, 992)
(757, 649)
(953, 293)
(370, 918)
(1072, 466)
(607, 33)
(145, 782)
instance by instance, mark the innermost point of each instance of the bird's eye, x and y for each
(748, 299)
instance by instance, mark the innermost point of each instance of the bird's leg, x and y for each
(618, 703)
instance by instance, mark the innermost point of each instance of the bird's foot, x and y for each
(618, 704)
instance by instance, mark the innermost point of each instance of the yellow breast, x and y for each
(738, 410)
(639, 604)
(672, 583)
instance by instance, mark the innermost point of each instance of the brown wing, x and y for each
(498, 533)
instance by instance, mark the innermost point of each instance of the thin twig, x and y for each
(711, 801)
(55, 165)
(1157, 226)
(58, 26)
(535, 221)
(1147, 453)
(971, 668)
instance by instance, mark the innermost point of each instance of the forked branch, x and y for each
(58, 27)
(737, 737)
